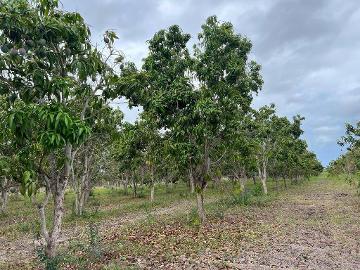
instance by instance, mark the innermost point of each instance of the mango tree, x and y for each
(47, 64)
(349, 163)
(153, 152)
(7, 155)
(271, 134)
(128, 151)
(240, 162)
(93, 155)
(264, 135)
(195, 98)
(352, 136)
(5, 168)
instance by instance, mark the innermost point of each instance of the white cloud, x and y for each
(308, 50)
(169, 8)
(323, 139)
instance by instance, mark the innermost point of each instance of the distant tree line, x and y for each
(348, 164)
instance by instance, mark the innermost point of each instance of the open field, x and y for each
(309, 226)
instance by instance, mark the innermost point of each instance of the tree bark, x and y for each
(200, 206)
(51, 238)
(152, 192)
(134, 186)
(284, 180)
(79, 203)
(263, 182)
(242, 181)
(82, 188)
(203, 183)
(263, 177)
(262, 161)
(42, 219)
(4, 195)
(4, 199)
(126, 183)
(192, 183)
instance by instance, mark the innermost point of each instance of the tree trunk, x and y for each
(263, 182)
(242, 183)
(87, 195)
(152, 192)
(243, 179)
(4, 195)
(82, 186)
(134, 186)
(142, 174)
(126, 183)
(4, 199)
(192, 183)
(77, 203)
(203, 183)
(200, 205)
(263, 177)
(284, 180)
(80, 200)
(42, 217)
(52, 237)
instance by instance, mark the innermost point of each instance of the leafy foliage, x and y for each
(197, 125)
(348, 164)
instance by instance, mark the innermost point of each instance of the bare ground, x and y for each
(23, 250)
(316, 226)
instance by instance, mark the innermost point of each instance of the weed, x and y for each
(94, 241)
(257, 190)
(50, 263)
(150, 218)
(193, 219)
(24, 227)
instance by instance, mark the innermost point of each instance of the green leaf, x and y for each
(11, 120)
(57, 120)
(26, 176)
(66, 120)
(30, 190)
(52, 139)
(22, 189)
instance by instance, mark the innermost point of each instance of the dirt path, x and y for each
(313, 227)
(316, 229)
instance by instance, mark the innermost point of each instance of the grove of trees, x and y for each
(59, 130)
(348, 164)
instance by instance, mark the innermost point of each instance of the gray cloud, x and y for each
(308, 50)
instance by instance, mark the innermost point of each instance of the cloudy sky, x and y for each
(309, 51)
